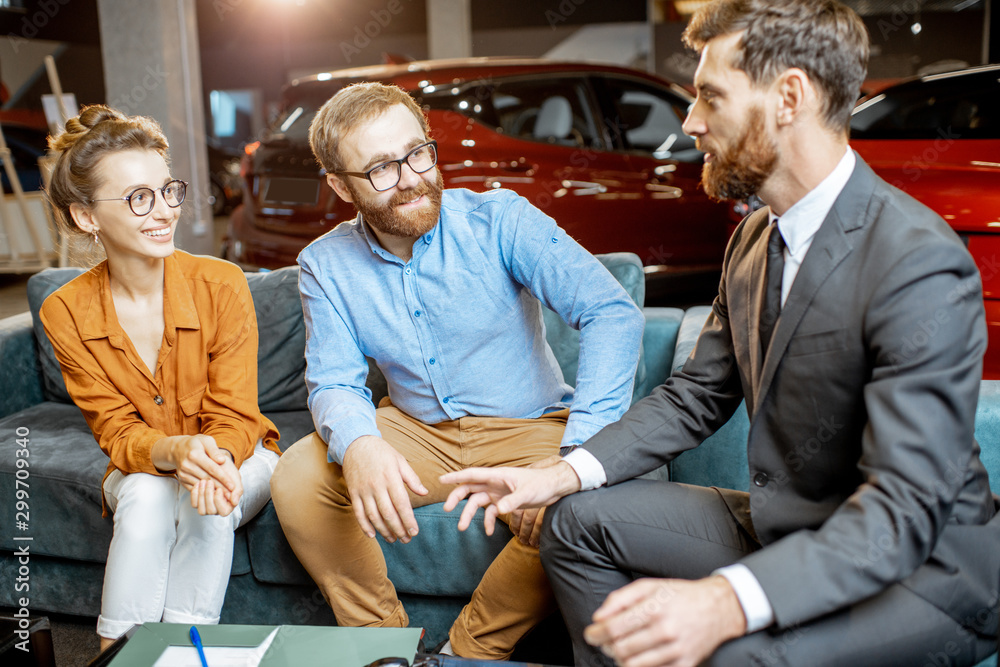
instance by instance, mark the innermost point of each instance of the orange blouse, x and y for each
(206, 372)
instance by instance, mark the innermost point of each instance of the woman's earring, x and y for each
(97, 241)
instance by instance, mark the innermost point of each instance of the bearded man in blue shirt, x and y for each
(443, 290)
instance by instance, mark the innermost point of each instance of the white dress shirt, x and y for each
(798, 227)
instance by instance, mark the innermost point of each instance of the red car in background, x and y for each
(599, 148)
(937, 138)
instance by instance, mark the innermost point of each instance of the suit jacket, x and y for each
(863, 465)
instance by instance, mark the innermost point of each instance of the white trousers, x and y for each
(166, 561)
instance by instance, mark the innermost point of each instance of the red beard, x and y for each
(411, 224)
(740, 171)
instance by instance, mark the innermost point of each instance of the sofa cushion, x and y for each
(988, 429)
(20, 372)
(426, 566)
(66, 468)
(281, 341)
(565, 341)
(40, 286)
(721, 460)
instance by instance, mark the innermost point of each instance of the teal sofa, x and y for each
(435, 574)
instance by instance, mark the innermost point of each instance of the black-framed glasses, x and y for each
(142, 200)
(385, 176)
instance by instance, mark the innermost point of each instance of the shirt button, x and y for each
(433, 361)
(406, 271)
(447, 399)
(416, 313)
(158, 400)
(760, 479)
(555, 240)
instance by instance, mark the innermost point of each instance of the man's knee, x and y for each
(563, 522)
(299, 470)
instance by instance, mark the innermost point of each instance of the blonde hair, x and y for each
(351, 106)
(98, 131)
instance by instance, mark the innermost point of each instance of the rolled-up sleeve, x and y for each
(573, 283)
(336, 369)
(228, 409)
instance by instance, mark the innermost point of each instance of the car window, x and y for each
(472, 100)
(923, 112)
(648, 120)
(554, 111)
(293, 122)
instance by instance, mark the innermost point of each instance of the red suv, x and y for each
(599, 148)
(938, 138)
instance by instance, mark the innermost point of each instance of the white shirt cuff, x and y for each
(756, 607)
(587, 468)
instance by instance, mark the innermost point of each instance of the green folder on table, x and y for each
(292, 646)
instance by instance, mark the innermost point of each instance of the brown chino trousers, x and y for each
(314, 507)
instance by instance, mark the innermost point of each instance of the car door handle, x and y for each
(515, 166)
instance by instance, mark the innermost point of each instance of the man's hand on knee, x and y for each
(527, 525)
(666, 621)
(377, 478)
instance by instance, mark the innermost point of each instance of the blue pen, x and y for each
(196, 640)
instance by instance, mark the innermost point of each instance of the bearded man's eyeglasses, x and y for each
(385, 176)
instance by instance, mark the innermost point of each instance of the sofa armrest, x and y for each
(988, 429)
(20, 374)
(659, 339)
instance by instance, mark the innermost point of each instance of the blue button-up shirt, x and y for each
(457, 330)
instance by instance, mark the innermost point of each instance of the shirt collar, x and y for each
(800, 223)
(376, 247)
(179, 305)
(179, 310)
(99, 321)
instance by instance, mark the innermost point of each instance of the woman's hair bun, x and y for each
(78, 126)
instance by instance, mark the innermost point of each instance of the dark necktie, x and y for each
(772, 294)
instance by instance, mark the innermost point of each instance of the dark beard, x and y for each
(386, 219)
(741, 170)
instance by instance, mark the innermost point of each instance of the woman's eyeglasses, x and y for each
(142, 200)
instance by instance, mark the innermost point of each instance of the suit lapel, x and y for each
(756, 287)
(852, 210)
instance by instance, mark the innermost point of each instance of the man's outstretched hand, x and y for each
(503, 490)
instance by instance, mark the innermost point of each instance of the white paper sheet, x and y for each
(217, 656)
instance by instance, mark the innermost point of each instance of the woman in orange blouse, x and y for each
(158, 348)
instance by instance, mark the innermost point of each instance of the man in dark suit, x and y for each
(848, 314)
